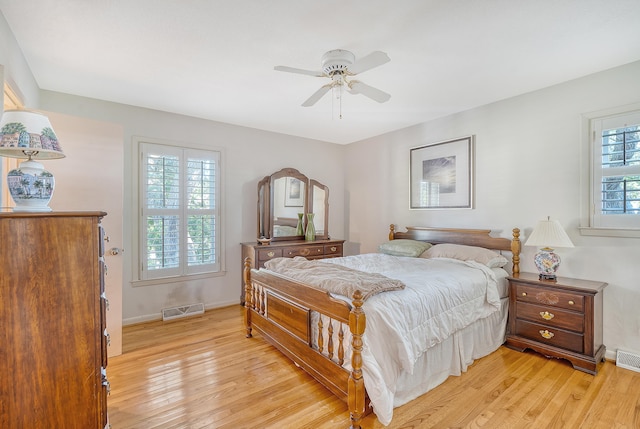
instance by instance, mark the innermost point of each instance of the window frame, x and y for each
(144, 276)
(593, 222)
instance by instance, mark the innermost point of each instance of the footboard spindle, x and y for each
(247, 296)
(320, 335)
(357, 324)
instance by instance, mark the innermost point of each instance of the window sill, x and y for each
(176, 279)
(610, 232)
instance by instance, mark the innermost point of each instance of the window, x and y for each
(180, 211)
(616, 171)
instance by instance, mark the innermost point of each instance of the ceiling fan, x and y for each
(339, 66)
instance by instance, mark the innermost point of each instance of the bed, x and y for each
(325, 333)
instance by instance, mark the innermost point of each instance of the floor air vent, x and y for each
(628, 360)
(182, 311)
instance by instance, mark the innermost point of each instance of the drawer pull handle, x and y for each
(271, 254)
(546, 315)
(546, 334)
(334, 248)
(524, 294)
(571, 302)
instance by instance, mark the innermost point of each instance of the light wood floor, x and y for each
(202, 372)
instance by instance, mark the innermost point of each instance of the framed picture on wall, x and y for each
(293, 193)
(442, 175)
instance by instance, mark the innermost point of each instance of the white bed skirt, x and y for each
(454, 355)
(450, 357)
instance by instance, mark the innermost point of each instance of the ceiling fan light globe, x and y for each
(337, 61)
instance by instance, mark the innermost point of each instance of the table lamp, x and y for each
(548, 234)
(29, 135)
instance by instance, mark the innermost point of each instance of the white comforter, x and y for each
(441, 297)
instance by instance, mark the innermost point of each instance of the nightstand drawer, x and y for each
(550, 316)
(538, 295)
(549, 335)
(306, 251)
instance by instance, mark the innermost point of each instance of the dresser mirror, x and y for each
(282, 197)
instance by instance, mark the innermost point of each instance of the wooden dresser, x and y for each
(53, 335)
(318, 249)
(561, 319)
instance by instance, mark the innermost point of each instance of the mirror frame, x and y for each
(313, 183)
(264, 196)
(265, 204)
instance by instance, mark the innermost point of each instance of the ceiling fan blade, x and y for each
(317, 95)
(369, 91)
(299, 71)
(374, 59)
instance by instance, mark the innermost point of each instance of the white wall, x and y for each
(248, 156)
(530, 156)
(16, 70)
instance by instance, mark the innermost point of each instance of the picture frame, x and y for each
(293, 192)
(442, 175)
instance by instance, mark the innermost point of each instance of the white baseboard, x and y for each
(141, 319)
(610, 355)
(158, 316)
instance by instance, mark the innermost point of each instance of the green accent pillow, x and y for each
(403, 247)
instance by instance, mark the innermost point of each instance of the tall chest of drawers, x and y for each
(561, 319)
(53, 335)
(317, 249)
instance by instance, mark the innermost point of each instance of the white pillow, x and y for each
(466, 253)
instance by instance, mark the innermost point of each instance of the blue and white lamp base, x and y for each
(31, 187)
(547, 263)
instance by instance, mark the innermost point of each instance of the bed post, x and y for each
(515, 251)
(392, 232)
(356, 390)
(246, 275)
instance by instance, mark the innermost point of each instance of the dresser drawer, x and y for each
(549, 335)
(333, 250)
(306, 251)
(550, 316)
(268, 253)
(537, 295)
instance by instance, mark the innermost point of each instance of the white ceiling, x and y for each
(214, 59)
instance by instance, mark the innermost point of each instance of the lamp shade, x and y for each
(549, 233)
(26, 134)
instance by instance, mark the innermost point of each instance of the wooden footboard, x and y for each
(281, 311)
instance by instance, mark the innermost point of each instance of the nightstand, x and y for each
(560, 319)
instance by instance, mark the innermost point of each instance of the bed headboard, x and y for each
(469, 237)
